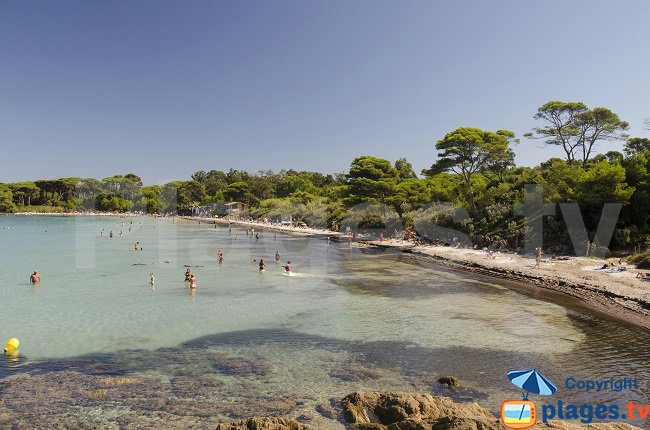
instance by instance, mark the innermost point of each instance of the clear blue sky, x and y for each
(162, 88)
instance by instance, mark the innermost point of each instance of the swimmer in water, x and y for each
(262, 265)
(35, 278)
(288, 267)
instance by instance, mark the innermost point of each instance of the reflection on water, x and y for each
(248, 343)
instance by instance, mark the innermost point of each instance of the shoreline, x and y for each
(620, 296)
(615, 295)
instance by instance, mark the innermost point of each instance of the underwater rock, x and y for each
(353, 373)
(239, 366)
(185, 386)
(263, 424)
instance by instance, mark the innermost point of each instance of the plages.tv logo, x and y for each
(522, 414)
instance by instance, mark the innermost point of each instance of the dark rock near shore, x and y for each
(449, 381)
(332, 410)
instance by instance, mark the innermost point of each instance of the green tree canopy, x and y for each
(576, 128)
(371, 179)
(634, 145)
(6, 199)
(467, 151)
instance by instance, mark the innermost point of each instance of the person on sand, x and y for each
(538, 257)
(35, 278)
(262, 265)
(277, 256)
(643, 275)
(288, 267)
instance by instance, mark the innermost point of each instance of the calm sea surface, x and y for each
(346, 320)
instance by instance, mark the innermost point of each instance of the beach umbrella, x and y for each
(533, 382)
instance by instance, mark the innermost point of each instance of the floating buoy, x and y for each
(12, 345)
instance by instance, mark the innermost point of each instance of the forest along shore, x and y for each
(621, 294)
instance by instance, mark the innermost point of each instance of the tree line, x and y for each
(475, 172)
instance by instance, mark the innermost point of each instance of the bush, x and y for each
(642, 260)
(43, 209)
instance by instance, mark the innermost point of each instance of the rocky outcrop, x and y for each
(413, 411)
(263, 424)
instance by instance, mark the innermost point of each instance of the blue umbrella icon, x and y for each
(533, 382)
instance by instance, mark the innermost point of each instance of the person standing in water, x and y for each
(188, 274)
(288, 267)
(110, 234)
(35, 278)
(262, 265)
(277, 256)
(152, 278)
(192, 282)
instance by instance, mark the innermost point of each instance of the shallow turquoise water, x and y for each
(342, 308)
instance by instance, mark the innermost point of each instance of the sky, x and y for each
(165, 88)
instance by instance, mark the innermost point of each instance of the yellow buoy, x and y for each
(12, 345)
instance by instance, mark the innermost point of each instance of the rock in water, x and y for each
(263, 424)
(449, 381)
